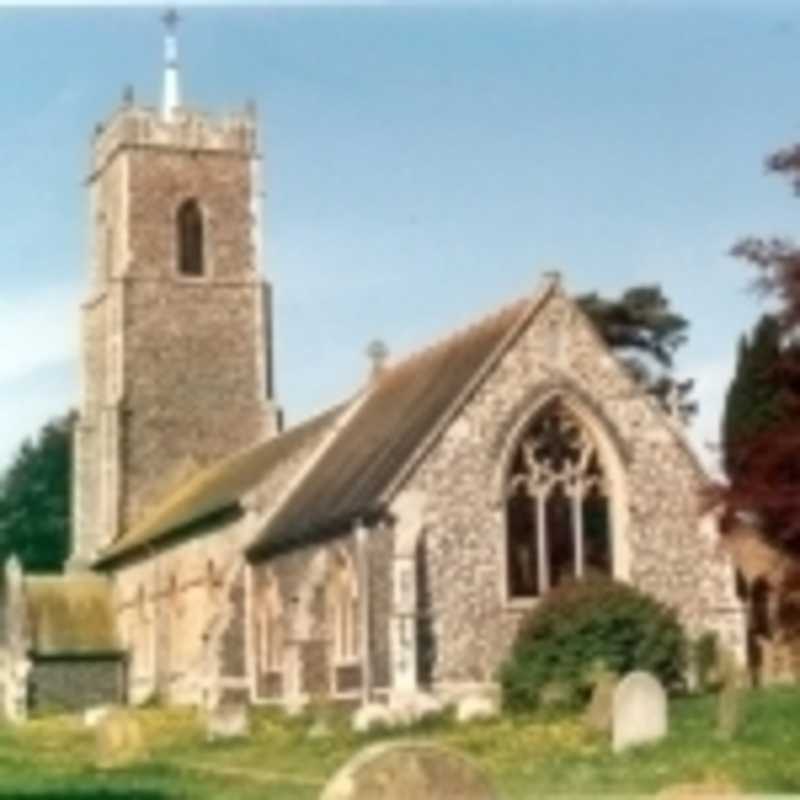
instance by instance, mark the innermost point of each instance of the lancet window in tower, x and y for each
(557, 505)
(190, 239)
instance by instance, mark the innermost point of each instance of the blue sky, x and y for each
(423, 163)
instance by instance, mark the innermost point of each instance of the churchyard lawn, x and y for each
(54, 757)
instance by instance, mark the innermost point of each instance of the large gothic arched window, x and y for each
(190, 239)
(557, 508)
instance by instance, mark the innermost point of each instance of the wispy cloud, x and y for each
(27, 403)
(37, 329)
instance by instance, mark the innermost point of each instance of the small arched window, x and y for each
(557, 508)
(190, 239)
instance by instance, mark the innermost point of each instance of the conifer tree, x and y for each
(35, 499)
(752, 404)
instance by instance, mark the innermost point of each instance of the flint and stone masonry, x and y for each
(364, 555)
(176, 368)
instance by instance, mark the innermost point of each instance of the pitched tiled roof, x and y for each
(219, 488)
(401, 410)
(70, 615)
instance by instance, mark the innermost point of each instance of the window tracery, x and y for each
(557, 506)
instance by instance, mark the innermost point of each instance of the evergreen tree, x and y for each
(641, 327)
(35, 495)
(752, 404)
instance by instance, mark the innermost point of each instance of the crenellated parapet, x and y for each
(188, 129)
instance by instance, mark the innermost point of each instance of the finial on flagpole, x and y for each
(170, 19)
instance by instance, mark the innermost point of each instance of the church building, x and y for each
(389, 545)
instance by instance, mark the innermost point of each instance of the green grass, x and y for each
(525, 757)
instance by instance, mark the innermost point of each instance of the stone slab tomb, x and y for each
(406, 770)
(639, 711)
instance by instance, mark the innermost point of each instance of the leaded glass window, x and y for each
(557, 508)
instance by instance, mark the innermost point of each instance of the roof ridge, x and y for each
(679, 433)
(529, 305)
(206, 478)
(349, 410)
(401, 411)
(451, 336)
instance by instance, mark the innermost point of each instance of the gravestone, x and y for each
(599, 713)
(639, 711)
(406, 770)
(92, 717)
(373, 716)
(119, 740)
(555, 694)
(319, 730)
(477, 707)
(227, 721)
(730, 697)
(410, 707)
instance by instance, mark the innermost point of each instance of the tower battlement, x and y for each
(188, 129)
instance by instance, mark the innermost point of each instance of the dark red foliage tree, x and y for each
(766, 481)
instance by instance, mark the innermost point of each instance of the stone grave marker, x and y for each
(119, 740)
(227, 721)
(92, 717)
(639, 714)
(599, 714)
(406, 770)
(474, 707)
(555, 694)
(730, 697)
(372, 716)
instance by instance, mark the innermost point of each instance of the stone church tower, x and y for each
(176, 330)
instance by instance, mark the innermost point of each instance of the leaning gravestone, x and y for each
(599, 713)
(406, 770)
(639, 711)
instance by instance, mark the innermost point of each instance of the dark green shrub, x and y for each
(582, 623)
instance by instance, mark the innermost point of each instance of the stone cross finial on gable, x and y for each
(377, 352)
(674, 406)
